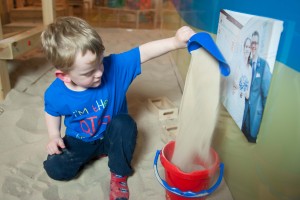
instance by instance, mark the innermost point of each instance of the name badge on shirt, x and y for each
(257, 75)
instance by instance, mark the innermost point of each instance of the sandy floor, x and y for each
(24, 135)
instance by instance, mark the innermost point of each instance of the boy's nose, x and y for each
(98, 73)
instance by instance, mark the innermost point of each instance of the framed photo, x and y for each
(249, 43)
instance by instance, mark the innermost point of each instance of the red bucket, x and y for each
(180, 185)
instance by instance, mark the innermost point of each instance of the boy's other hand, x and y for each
(183, 35)
(55, 145)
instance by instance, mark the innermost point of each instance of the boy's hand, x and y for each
(183, 35)
(159, 47)
(55, 145)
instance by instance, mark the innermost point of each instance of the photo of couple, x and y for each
(245, 42)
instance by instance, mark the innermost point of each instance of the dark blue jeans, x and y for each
(118, 144)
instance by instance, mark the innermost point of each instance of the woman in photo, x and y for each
(241, 85)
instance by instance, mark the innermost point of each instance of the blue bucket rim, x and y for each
(188, 194)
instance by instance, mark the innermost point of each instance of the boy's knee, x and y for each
(57, 171)
(122, 127)
(124, 122)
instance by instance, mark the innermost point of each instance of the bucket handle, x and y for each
(189, 194)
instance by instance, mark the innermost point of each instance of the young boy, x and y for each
(90, 92)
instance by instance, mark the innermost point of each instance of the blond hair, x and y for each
(66, 37)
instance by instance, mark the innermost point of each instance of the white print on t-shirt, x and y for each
(100, 105)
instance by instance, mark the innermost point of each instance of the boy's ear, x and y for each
(62, 76)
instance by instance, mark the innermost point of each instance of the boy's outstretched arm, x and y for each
(159, 47)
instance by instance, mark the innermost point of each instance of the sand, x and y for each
(24, 134)
(198, 111)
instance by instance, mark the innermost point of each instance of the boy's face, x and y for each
(87, 70)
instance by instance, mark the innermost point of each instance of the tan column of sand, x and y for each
(198, 110)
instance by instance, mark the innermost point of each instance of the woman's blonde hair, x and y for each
(66, 37)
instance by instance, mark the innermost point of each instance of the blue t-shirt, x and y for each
(88, 112)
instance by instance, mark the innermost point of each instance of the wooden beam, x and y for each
(18, 44)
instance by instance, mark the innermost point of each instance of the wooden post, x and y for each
(1, 31)
(4, 79)
(4, 75)
(48, 11)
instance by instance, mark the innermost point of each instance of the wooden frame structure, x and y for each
(120, 12)
(16, 45)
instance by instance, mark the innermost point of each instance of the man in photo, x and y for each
(254, 106)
